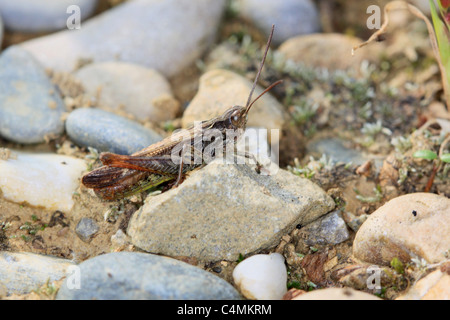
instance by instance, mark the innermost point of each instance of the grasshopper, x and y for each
(124, 175)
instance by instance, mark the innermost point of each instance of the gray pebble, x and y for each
(86, 229)
(290, 17)
(30, 106)
(106, 131)
(330, 229)
(335, 149)
(130, 275)
(42, 16)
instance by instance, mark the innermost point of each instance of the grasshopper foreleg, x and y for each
(250, 156)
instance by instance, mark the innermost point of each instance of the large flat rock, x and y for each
(224, 210)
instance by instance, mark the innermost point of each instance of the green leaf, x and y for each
(445, 157)
(294, 284)
(442, 36)
(425, 154)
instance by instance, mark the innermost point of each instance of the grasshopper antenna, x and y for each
(265, 91)
(249, 103)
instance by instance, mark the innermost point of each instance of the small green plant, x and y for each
(93, 156)
(294, 284)
(311, 286)
(376, 198)
(304, 110)
(401, 144)
(32, 228)
(47, 291)
(4, 225)
(381, 294)
(371, 130)
(439, 159)
(397, 265)
(303, 171)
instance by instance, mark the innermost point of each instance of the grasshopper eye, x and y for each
(235, 117)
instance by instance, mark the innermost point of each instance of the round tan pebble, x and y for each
(435, 286)
(336, 294)
(220, 90)
(412, 225)
(328, 50)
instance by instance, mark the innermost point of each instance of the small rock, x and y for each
(86, 229)
(336, 294)
(416, 224)
(336, 150)
(354, 222)
(46, 180)
(31, 107)
(291, 18)
(224, 210)
(328, 50)
(219, 90)
(362, 277)
(143, 92)
(106, 131)
(163, 35)
(24, 272)
(261, 277)
(329, 229)
(435, 286)
(119, 238)
(43, 16)
(133, 276)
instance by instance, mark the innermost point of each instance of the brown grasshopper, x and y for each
(122, 176)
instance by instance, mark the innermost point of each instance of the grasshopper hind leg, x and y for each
(115, 192)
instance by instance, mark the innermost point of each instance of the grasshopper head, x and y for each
(235, 118)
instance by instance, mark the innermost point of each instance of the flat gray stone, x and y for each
(106, 131)
(224, 210)
(130, 275)
(42, 16)
(22, 273)
(30, 106)
(163, 35)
